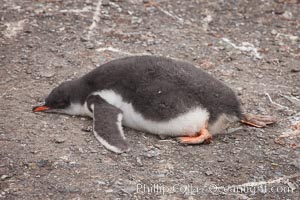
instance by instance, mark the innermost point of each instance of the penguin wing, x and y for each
(107, 124)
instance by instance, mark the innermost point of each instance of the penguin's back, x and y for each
(161, 89)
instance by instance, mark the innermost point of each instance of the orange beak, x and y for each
(40, 108)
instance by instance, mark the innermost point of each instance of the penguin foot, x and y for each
(204, 136)
(258, 121)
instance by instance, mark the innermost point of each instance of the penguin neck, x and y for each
(80, 91)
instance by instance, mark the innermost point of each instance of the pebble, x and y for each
(260, 76)
(295, 70)
(69, 189)
(100, 182)
(209, 173)
(261, 109)
(105, 17)
(109, 191)
(152, 153)
(42, 163)
(221, 159)
(59, 140)
(139, 162)
(87, 129)
(239, 88)
(136, 20)
(84, 38)
(47, 74)
(274, 32)
(28, 71)
(105, 3)
(129, 189)
(34, 152)
(119, 182)
(287, 15)
(89, 45)
(4, 176)
(93, 150)
(296, 164)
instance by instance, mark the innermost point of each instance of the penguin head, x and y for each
(58, 100)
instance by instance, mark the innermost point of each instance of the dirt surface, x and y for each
(254, 46)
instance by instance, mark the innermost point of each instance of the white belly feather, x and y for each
(185, 124)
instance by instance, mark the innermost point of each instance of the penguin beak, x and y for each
(40, 108)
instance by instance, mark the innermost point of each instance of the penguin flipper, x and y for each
(107, 126)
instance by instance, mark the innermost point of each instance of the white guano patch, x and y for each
(246, 47)
(13, 28)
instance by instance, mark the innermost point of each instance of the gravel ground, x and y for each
(254, 46)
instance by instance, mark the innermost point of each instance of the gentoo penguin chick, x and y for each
(152, 94)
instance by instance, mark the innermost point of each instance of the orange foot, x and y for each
(258, 121)
(204, 136)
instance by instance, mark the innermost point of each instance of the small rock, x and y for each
(4, 176)
(105, 3)
(109, 191)
(221, 159)
(105, 16)
(296, 164)
(274, 164)
(129, 189)
(42, 163)
(34, 152)
(152, 153)
(279, 11)
(119, 182)
(47, 74)
(87, 129)
(93, 150)
(274, 32)
(84, 38)
(260, 76)
(139, 162)
(29, 45)
(287, 15)
(100, 182)
(209, 173)
(294, 70)
(28, 71)
(59, 140)
(81, 150)
(89, 45)
(136, 20)
(295, 92)
(261, 109)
